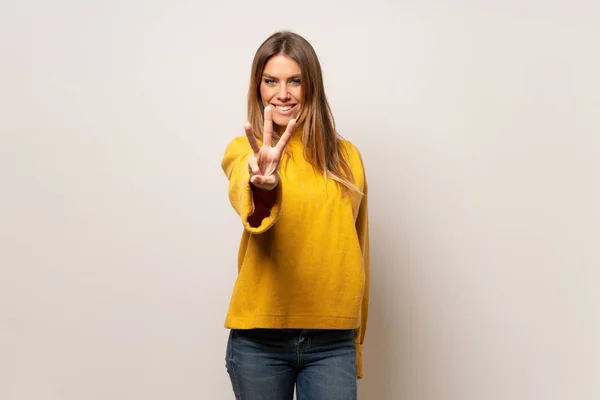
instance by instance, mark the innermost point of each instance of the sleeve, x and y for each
(362, 229)
(258, 209)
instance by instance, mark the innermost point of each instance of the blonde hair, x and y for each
(323, 147)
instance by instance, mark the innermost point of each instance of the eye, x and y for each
(296, 81)
(269, 81)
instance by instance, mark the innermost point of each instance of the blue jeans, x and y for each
(265, 364)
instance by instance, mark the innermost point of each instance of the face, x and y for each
(281, 88)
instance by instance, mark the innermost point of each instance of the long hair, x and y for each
(323, 147)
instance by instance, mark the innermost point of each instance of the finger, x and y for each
(287, 135)
(251, 137)
(257, 181)
(253, 166)
(268, 128)
(264, 182)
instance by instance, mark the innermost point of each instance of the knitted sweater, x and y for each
(303, 260)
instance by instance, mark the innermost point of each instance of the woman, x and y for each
(299, 307)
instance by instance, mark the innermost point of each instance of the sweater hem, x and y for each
(291, 322)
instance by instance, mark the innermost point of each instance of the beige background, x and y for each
(478, 123)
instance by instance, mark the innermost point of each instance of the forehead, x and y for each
(281, 66)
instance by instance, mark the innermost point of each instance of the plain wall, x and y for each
(478, 123)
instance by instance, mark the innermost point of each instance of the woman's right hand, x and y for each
(264, 162)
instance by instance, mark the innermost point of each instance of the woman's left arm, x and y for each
(362, 230)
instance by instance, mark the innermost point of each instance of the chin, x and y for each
(282, 121)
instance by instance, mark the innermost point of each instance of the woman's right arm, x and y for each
(254, 187)
(258, 208)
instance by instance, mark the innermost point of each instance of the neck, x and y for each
(297, 134)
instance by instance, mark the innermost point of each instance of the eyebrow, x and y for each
(272, 77)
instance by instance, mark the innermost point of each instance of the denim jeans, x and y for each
(266, 364)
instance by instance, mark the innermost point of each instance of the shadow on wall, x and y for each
(387, 344)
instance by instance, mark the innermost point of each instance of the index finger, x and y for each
(251, 137)
(287, 135)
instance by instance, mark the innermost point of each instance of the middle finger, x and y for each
(268, 129)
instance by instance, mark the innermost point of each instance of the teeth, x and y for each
(282, 108)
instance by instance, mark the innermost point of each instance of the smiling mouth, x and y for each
(284, 108)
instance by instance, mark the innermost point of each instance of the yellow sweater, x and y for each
(306, 265)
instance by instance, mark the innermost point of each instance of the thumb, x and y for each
(264, 182)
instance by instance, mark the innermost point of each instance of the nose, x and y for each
(283, 92)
